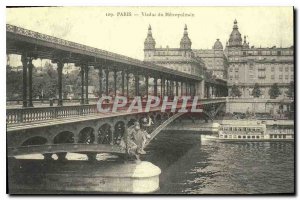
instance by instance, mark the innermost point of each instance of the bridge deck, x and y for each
(92, 116)
(74, 119)
(81, 148)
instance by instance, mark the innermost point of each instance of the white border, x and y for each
(5, 3)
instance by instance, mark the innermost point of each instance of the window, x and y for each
(272, 69)
(257, 137)
(244, 53)
(239, 137)
(280, 76)
(244, 137)
(278, 53)
(253, 136)
(292, 69)
(251, 67)
(286, 77)
(261, 67)
(261, 74)
(248, 137)
(272, 77)
(280, 69)
(292, 77)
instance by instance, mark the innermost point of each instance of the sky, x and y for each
(96, 27)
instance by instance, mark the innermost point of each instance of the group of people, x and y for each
(137, 137)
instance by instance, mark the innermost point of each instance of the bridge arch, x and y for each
(158, 118)
(119, 131)
(164, 116)
(131, 121)
(86, 135)
(105, 134)
(36, 140)
(208, 116)
(64, 137)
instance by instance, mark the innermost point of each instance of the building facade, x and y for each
(214, 60)
(208, 64)
(264, 66)
(182, 59)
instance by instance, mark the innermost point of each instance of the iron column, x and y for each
(82, 85)
(123, 82)
(24, 63)
(86, 85)
(127, 84)
(106, 81)
(136, 85)
(60, 66)
(115, 82)
(100, 73)
(176, 88)
(30, 67)
(147, 85)
(155, 86)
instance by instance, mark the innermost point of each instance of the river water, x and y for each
(189, 167)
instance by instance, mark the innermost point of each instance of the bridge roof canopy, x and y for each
(20, 41)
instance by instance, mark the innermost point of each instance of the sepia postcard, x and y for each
(150, 100)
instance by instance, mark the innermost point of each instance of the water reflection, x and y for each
(222, 168)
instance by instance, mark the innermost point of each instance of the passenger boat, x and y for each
(249, 131)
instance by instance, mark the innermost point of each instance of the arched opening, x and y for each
(119, 132)
(165, 116)
(143, 119)
(86, 135)
(131, 122)
(64, 138)
(37, 140)
(158, 119)
(104, 134)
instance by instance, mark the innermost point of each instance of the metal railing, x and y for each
(43, 113)
(23, 115)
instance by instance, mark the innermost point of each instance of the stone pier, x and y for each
(82, 176)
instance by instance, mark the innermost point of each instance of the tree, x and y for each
(14, 83)
(256, 91)
(235, 92)
(45, 82)
(291, 90)
(274, 91)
